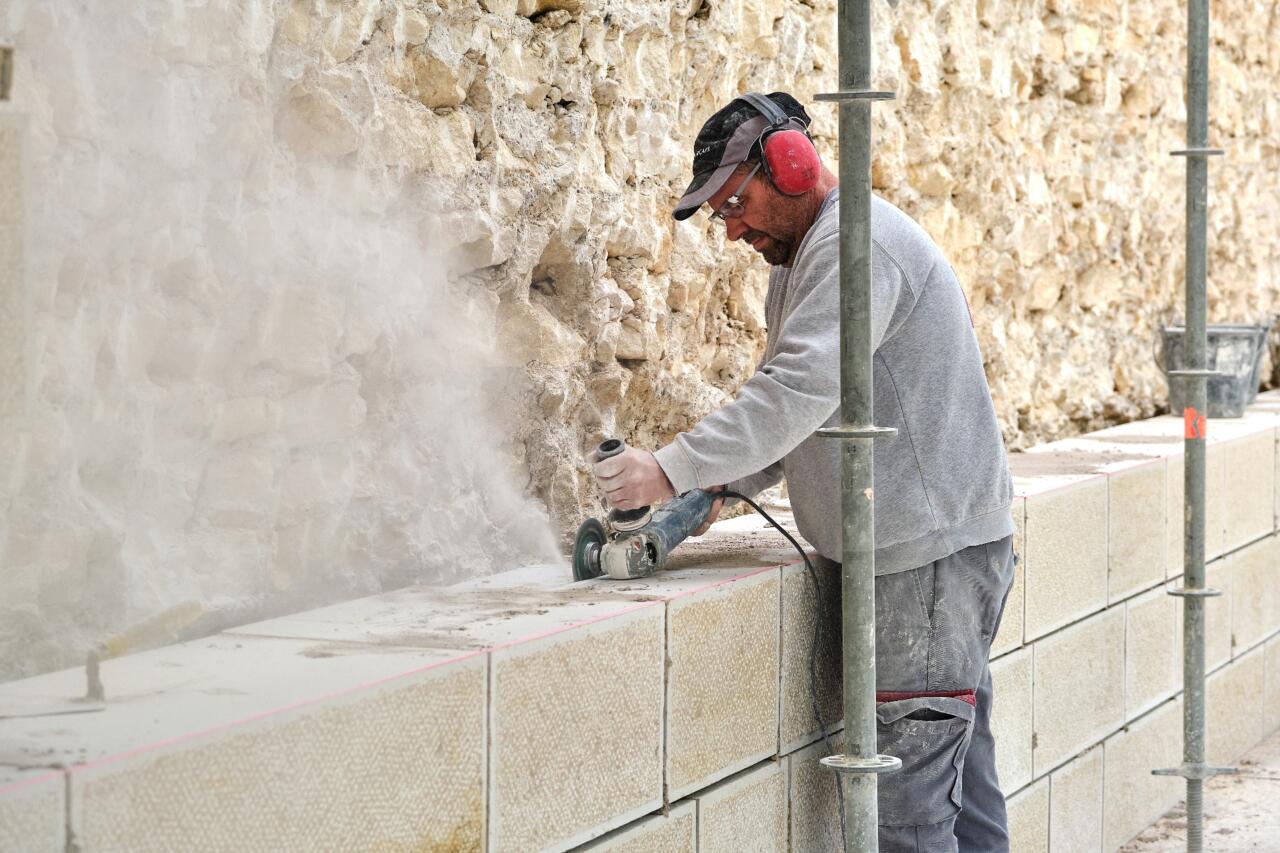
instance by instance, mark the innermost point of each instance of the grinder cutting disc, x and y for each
(586, 550)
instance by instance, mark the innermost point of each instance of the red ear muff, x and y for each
(791, 161)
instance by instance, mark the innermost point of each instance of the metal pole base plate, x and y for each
(853, 764)
(1196, 771)
(1194, 592)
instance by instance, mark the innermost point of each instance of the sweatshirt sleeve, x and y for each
(798, 389)
(756, 483)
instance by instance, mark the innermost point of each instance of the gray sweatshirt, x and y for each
(942, 482)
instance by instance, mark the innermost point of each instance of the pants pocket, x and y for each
(930, 735)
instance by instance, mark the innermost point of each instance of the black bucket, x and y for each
(1234, 351)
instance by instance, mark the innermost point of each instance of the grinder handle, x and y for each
(608, 448)
(625, 518)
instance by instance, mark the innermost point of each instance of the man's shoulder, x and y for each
(892, 228)
(895, 230)
(895, 237)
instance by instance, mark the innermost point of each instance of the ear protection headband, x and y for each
(790, 161)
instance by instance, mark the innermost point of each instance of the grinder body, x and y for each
(636, 542)
(642, 552)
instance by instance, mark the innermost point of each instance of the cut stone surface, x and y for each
(1009, 636)
(1135, 525)
(466, 616)
(1077, 705)
(1066, 562)
(813, 813)
(1075, 804)
(745, 812)
(1011, 720)
(199, 745)
(1134, 796)
(1028, 812)
(32, 810)
(722, 681)
(1234, 717)
(797, 721)
(1152, 653)
(675, 832)
(576, 732)
(1255, 594)
(1271, 695)
(1250, 488)
(13, 284)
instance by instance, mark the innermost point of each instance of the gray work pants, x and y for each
(934, 627)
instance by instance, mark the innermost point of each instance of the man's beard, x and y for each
(775, 251)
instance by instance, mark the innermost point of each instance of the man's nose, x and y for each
(734, 228)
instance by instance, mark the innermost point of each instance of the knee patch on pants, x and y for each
(930, 735)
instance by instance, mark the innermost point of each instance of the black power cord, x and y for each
(817, 636)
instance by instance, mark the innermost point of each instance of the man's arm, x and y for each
(798, 389)
(792, 394)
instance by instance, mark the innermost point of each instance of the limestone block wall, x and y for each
(318, 285)
(520, 713)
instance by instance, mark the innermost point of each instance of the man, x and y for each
(944, 559)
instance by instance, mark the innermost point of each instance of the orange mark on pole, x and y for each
(1194, 425)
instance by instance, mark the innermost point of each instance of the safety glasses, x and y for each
(733, 206)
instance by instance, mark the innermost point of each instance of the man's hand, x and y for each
(712, 514)
(632, 479)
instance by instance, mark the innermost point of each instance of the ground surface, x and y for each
(1240, 811)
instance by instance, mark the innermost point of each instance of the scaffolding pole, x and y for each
(856, 769)
(1196, 377)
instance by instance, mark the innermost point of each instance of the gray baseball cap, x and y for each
(726, 140)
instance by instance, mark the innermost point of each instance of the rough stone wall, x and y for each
(289, 428)
(1030, 138)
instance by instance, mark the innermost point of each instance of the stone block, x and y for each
(1009, 636)
(1235, 719)
(32, 810)
(576, 741)
(1271, 694)
(1135, 529)
(1011, 721)
(1152, 654)
(1029, 818)
(674, 832)
(745, 812)
(1066, 555)
(1215, 526)
(1135, 798)
(13, 290)
(1079, 688)
(13, 168)
(13, 323)
(1250, 487)
(722, 681)
(1075, 804)
(796, 713)
(244, 743)
(814, 814)
(495, 611)
(1255, 594)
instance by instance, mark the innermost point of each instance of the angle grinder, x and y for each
(635, 543)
